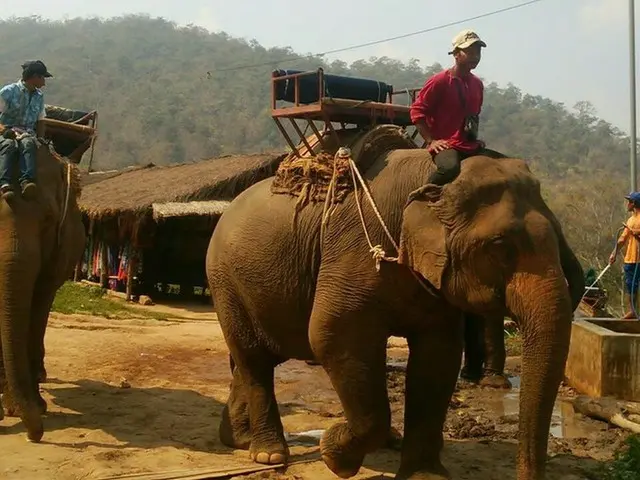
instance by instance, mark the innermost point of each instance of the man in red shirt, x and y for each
(447, 108)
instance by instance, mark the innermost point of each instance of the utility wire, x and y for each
(377, 42)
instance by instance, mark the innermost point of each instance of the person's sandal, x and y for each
(28, 190)
(7, 192)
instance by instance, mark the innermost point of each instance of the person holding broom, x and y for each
(631, 237)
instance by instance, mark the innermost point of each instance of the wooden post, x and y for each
(131, 268)
(104, 267)
(77, 272)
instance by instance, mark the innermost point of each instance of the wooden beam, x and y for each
(104, 267)
(131, 268)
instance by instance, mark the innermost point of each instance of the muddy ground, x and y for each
(129, 396)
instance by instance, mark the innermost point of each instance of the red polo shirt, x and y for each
(439, 104)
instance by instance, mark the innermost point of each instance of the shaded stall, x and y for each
(149, 227)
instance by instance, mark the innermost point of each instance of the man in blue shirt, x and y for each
(21, 109)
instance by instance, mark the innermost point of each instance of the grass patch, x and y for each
(626, 463)
(91, 300)
(512, 340)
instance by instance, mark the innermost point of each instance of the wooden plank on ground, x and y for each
(205, 474)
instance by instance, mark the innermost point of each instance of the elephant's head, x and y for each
(489, 244)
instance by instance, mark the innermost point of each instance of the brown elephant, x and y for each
(42, 239)
(486, 243)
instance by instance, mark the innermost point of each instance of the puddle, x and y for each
(565, 423)
(310, 438)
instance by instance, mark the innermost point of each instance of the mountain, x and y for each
(163, 95)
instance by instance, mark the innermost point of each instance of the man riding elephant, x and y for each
(21, 109)
(446, 110)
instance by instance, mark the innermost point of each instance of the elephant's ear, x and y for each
(423, 236)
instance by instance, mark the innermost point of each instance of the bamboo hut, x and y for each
(149, 227)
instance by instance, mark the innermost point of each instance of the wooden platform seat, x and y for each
(72, 132)
(314, 96)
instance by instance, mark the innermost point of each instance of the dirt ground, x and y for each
(133, 396)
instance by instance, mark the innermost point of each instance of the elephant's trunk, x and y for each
(18, 269)
(540, 301)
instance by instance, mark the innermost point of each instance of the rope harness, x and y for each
(379, 254)
(65, 205)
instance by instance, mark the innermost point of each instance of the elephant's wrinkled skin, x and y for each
(487, 242)
(38, 250)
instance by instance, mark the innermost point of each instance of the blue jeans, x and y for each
(631, 277)
(26, 150)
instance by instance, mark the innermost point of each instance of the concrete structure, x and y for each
(604, 358)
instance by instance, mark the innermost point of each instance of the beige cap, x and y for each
(465, 39)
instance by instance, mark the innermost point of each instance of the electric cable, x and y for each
(377, 42)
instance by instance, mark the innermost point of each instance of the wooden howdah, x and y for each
(334, 102)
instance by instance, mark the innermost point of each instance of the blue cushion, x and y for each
(336, 86)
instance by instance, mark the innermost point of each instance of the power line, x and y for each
(377, 42)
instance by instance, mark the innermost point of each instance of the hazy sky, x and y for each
(568, 50)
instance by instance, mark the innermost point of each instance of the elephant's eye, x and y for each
(497, 240)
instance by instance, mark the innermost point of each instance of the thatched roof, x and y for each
(134, 192)
(87, 178)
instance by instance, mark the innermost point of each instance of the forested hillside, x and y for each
(162, 97)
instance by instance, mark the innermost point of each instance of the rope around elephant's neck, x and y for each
(65, 207)
(378, 252)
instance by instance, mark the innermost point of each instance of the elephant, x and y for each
(42, 240)
(484, 351)
(486, 243)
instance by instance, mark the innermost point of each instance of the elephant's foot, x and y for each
(422, 470)
(341, 460)
(10, 407)
(269, 453)
(471, 375)
(394, 442)
(32, 420)
(1, 411)
(496, 381)
(236, 434)
(423, 475)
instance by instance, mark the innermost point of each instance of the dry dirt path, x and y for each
(130, 396)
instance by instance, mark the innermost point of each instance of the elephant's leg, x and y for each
(495, 354)
(235, 426)
(3, 383)
(44, 294)
(356, 365)
(253, 367)
(432, 371)
(268, 444)
(474, 354)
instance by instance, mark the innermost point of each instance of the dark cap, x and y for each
(633, 197)
(35, 67)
